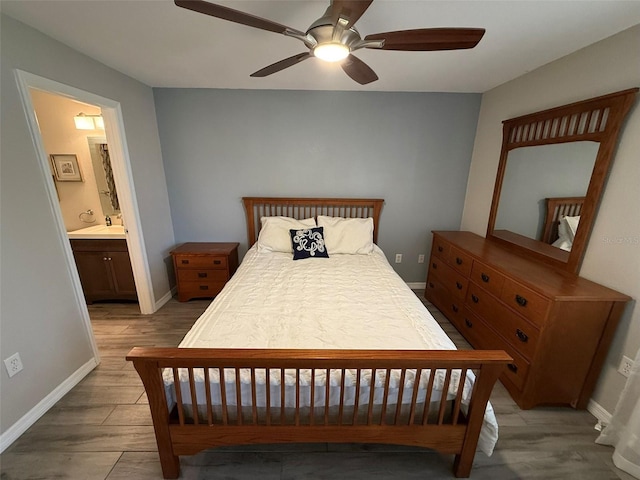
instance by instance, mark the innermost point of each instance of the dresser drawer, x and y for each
(525, 301)
(452, 280)
(195, 261)
(201, 275)
(440, 296)
(461, 261)
(440, 248)
(488, 278)
(514, 329)
(481, 336)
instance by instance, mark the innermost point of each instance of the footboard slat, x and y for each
(180, 430)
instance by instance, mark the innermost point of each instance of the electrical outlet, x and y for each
(13, 364)
(625, 366)
(421, 258)
(398, 258)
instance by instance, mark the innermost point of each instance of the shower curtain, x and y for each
(623, 432)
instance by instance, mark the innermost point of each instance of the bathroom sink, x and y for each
(99, 231)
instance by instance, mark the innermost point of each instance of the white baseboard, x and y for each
(417, 285)
(166, 297)
(14, 431)
(599, 412)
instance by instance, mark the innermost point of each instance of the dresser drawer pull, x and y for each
(185, 262)
(431, 285)
(434, 265)
(454, 308)
(440, 249)
(523, 337)
(474, 298)
(202, 275)
(204, 287)
(485, 277)
(217, 262)
(513, 367)
(458, 285)
(468, 323)
(521, 301)
(458, 260)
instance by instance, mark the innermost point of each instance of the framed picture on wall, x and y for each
(66, 168)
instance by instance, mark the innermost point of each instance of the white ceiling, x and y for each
(163, 45)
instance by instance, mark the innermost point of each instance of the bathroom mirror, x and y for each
(101, 163)
(551, 176)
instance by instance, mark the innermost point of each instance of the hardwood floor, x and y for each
(102, 428)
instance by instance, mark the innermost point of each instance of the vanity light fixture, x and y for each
(88, 122)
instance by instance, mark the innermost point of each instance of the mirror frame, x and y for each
(597, 119)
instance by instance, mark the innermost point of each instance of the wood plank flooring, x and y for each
(102, 429)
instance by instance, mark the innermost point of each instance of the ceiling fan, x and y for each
(334, 38)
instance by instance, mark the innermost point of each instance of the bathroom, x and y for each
(74, 139)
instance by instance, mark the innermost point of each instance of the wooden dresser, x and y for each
(556, 326)
(203, 269)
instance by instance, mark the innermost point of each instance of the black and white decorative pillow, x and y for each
(308, 243)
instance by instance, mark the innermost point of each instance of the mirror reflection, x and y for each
(105, 182)
(543, 189)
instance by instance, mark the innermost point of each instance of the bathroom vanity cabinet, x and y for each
(105, 270)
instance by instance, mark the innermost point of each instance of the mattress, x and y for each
(340, 302)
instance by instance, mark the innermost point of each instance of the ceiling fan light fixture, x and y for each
(331, 52)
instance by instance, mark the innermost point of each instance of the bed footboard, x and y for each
(410, 407)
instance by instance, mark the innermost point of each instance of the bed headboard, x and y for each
(257, 207)
(556, 209)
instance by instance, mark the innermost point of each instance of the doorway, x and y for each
(115, 135)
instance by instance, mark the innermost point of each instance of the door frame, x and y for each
(121, 163)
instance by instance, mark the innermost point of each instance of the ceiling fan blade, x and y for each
(351, 9)
(426, 39)
(281, 65)
(358, 70)
(232, 15)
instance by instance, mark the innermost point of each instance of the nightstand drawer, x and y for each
(206, 276)
(201, 289)
(196, 261)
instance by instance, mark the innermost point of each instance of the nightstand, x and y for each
(203, 269)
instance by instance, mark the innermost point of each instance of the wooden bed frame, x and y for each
(444, 427)
(556, 208)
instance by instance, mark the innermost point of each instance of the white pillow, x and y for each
(571, 224)
(274, 235)
(347, 235)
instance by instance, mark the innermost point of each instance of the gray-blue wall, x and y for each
(412, 149)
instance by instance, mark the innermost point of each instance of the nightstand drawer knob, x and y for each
(217, 262)
(440, 249)
(185, 262)
(204, 287)
(202, 275)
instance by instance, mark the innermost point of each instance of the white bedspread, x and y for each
(344, 302)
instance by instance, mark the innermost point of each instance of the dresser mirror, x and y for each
(551, 176)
